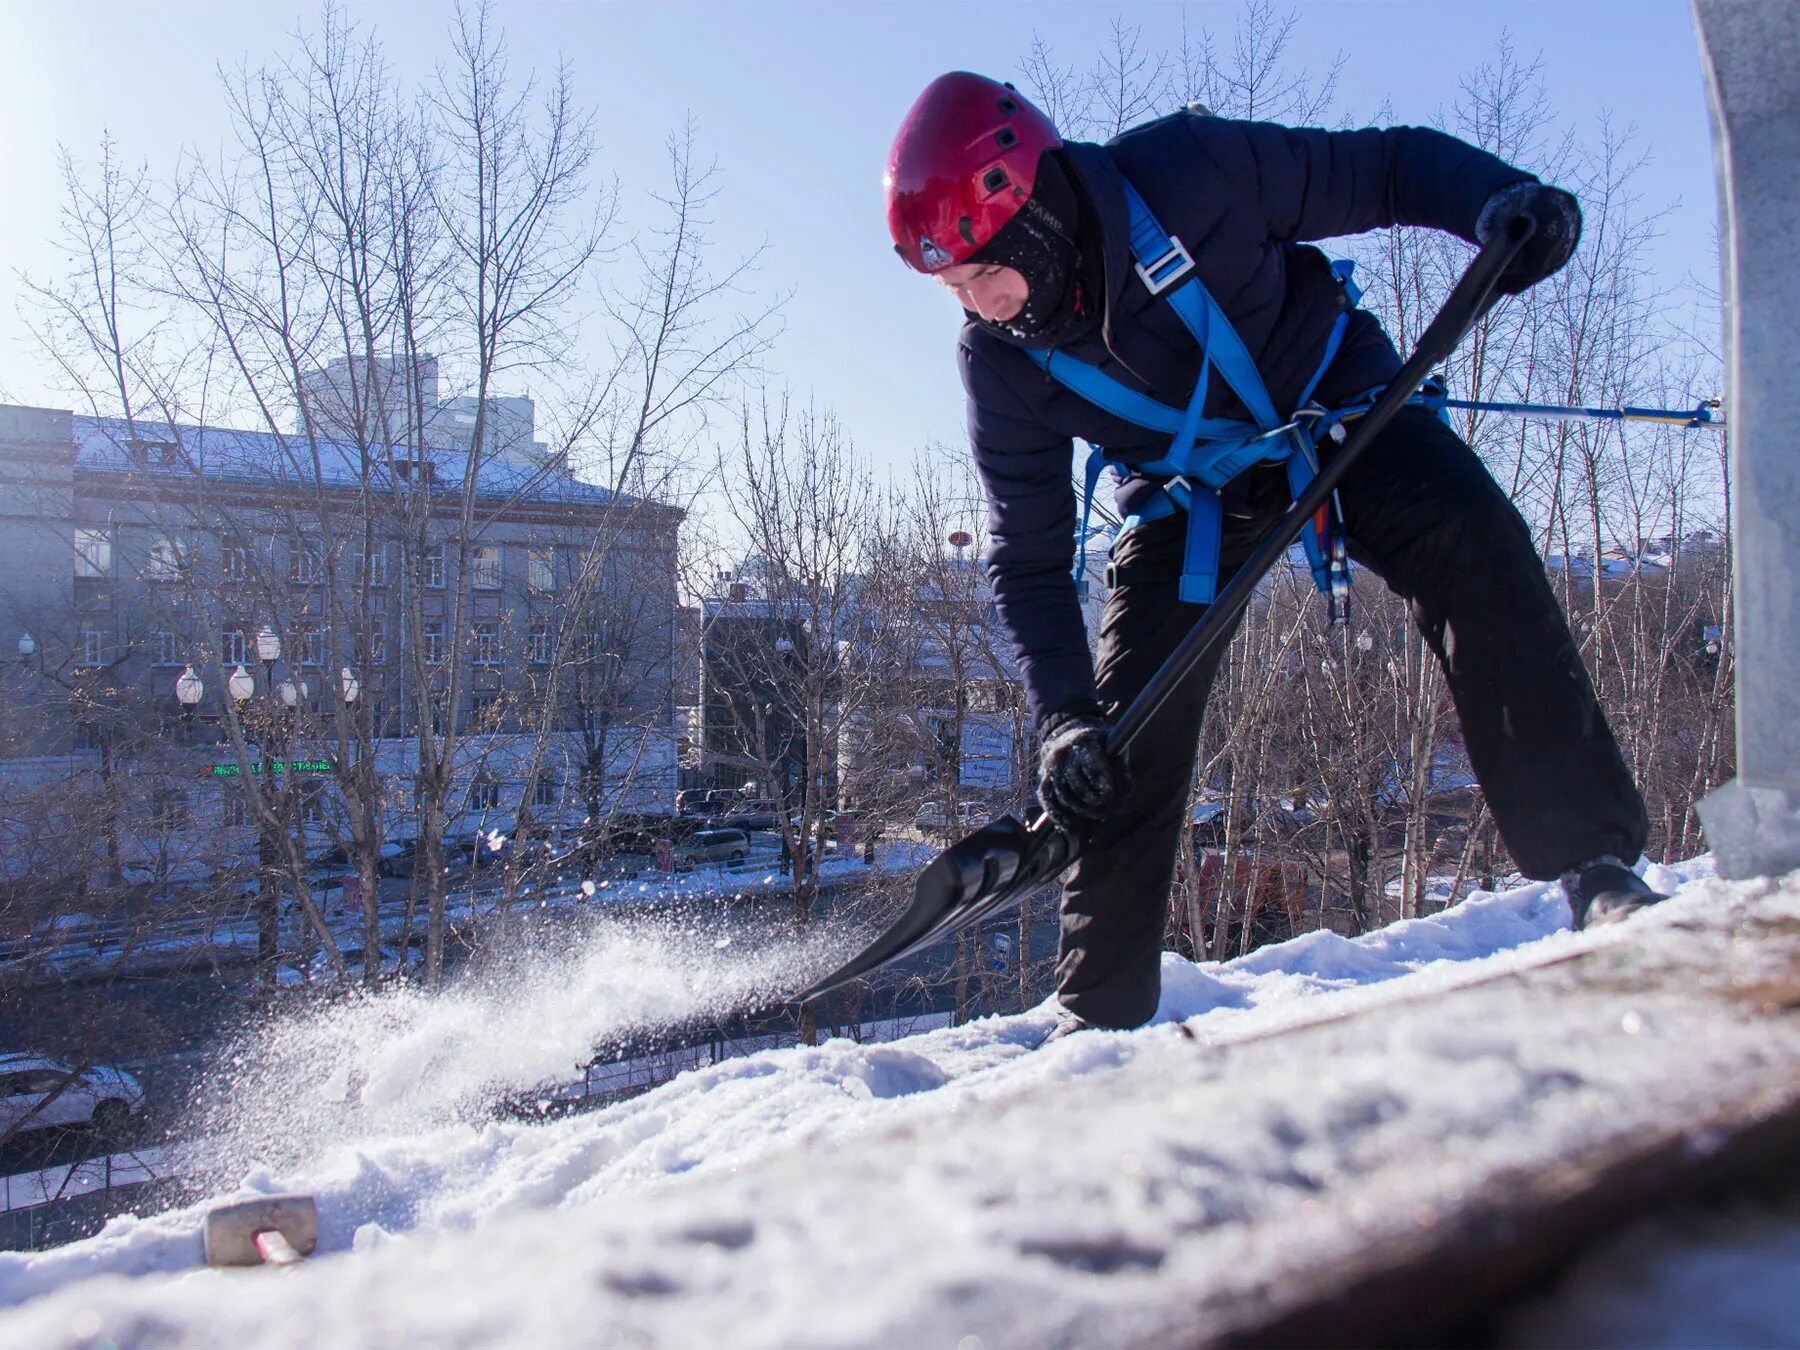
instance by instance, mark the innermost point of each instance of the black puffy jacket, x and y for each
(1241, 196)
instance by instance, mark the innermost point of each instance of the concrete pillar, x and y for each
(1751, 53)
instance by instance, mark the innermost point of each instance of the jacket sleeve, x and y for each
(1314, 184)
(1026, 475)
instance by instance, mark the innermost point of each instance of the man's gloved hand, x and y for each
(1558, 218)
(1078, 782)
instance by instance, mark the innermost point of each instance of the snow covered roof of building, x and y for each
(1109, 1188)
(262, 458)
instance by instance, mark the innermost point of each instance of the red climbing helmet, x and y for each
(962, 164)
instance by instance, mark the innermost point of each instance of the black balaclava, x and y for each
(1039, 243)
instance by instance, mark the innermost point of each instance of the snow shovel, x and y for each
(1005, 861)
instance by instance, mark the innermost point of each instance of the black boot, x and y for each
(1605, 891)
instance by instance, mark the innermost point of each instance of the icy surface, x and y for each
(957, 1183)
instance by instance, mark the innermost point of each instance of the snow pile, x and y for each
(958, 1183)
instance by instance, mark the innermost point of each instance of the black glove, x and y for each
(1558, 218)
(1078, 781)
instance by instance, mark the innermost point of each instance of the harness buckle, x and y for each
(1168, 270)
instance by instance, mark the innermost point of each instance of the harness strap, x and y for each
(1205, 454)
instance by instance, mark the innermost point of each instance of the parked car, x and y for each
(395, 860)
(99, 1096)
(727, 846)
(706, 801)
(752, 813)
(398, 857)
(969, 816)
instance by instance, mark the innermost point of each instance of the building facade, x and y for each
(341, 598)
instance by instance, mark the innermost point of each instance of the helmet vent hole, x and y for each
(1008, 107)
(1007, 138)
(994, 179)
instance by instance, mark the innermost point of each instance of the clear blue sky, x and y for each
(798, 102)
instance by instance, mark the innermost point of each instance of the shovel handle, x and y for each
(1471, 298)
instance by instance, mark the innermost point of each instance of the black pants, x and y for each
(1422, 513)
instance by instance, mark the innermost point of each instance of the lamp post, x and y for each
(241, 685)
(189, 690)
(268, 651)
(268, 893)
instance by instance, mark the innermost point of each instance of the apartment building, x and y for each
(150, 572)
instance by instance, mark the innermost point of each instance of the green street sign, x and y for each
(300, 766)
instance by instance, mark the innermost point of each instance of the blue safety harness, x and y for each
(1207, 453)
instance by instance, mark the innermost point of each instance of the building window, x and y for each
(484, 795)
(93, 647)
(434, 565)
(484, 711)
(87, 737)
(304, 642)
(433, 642)
(168, 648)
(236, 811)
(169, 809)
(303, 563)
(154, 454)
(234, 647)
(312, 806)
(93, 553)
(543, 790)
(377, 649)
(541, 572)
(484, 567)
(487, 642)
(235, 562)
(371, 567)
(538, 645)
(167, 559)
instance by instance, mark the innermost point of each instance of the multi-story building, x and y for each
(930, 698)
(372, 402)
(147, 570)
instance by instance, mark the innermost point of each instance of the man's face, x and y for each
(995, 293)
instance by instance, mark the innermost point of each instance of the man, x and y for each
(1032, 236)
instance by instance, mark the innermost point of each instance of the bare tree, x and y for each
(305, 283)
(791, 655)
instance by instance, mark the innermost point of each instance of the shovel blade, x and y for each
(984, 874)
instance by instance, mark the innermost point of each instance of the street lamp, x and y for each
(189, 690)
(241, 685)
(293, 693)
(268, 651)
(27, 645)
(349, 685)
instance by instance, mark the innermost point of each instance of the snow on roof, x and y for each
(1582, 566)
(262, 458)
(955, 1183)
